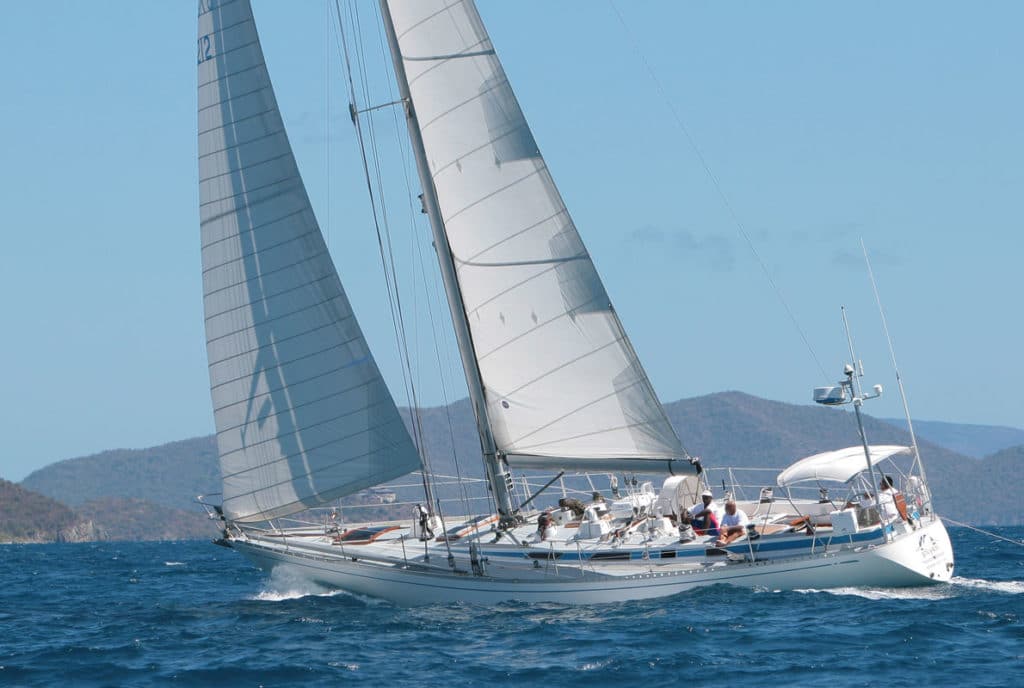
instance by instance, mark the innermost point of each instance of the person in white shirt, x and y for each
(887, 500)
(706, 514)
(733, 525)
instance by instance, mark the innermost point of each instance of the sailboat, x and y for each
(304, 417)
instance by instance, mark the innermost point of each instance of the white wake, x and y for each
(938, 592)
(1012, 587)
(286, 585)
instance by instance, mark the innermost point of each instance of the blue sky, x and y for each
(824, 124)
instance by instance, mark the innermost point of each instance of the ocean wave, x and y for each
(64, 627)
(276, 595)
(1013, 587)
(350, 666)
(928, 593)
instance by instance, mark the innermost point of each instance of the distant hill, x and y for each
(134, 519)
(27, 516)
(171, 474)
(725, 429)
(970, 440)
(1002, 474)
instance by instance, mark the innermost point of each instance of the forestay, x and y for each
(562, 383)
(301, 411)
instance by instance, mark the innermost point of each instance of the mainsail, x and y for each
(562, 384)
(302, 413)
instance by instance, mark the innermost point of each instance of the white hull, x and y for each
(918, 557)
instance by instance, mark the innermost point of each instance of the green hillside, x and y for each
(1001, 476)
(171, 474)
(135, 519)
(27, 516)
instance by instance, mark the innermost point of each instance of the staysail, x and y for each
(302, 413)
(562, 383)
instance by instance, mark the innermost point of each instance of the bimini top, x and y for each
(839, 465)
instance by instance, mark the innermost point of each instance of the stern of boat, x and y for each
(921, 555)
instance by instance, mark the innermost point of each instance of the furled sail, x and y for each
(302, 413)
(562, 383)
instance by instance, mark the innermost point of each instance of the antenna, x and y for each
(892, 356)
(858, 368)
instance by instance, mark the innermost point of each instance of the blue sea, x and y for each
(193, 614)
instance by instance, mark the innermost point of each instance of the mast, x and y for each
(852, 379)
(498, 476)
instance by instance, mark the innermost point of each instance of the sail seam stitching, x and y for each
(250, 203)
(563, 314)
(423, 21)
(511, 288)
(224, 101)
(220, 29)
(263, 249)
(237, 143)
(281, 364)
(249, 166)
(289, 457)
(296, 383)
(304, 428)
(486, 144)
(262, 323)
(261, 347)
(264, 299)
(253, 189)
(238, 233)
(572, 413)
(218, 6)
(535, 225)
(222, 77)
(492, 194)
(559, 367)
(265, 273)
(476, 96)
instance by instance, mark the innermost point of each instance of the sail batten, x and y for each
(559, 376)
(302, 413)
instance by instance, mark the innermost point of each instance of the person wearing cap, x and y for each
(705, 514)
(734, 524)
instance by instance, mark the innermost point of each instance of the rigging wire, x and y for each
(384, 237)
(718, 187)
(414, 409)
(381, 226)
(1019, 543)
(401, 135)
(896, 369)
(327, 114)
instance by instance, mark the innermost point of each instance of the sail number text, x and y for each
(205, 49)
